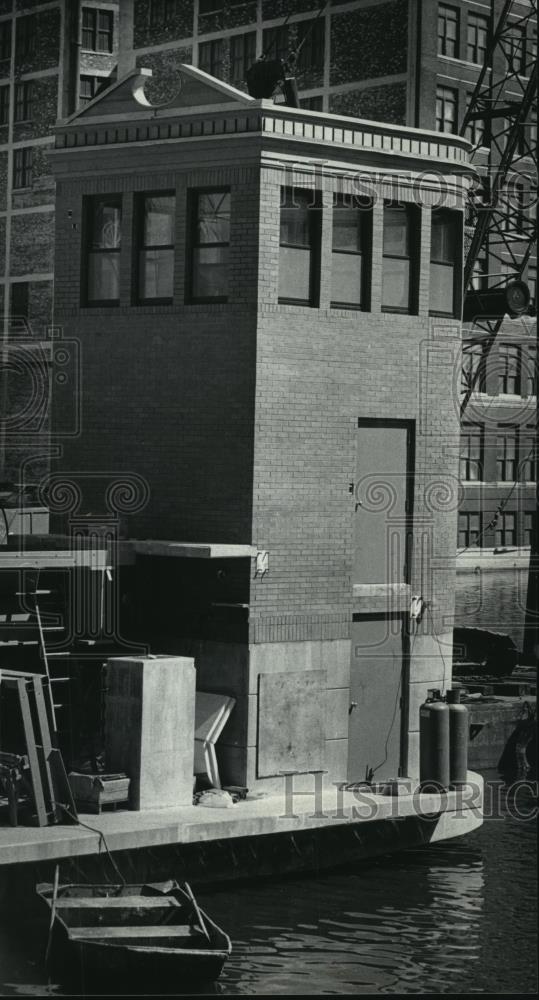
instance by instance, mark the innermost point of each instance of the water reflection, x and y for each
(494, 599)
(456, 917)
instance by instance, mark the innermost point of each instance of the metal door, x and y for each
(383, 492)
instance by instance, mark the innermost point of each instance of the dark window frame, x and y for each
(314, 247)
(5, 40)
(465, 530)
(507, 466)
(476, 52)
(24, 101)
(442, 93)
(529, 527)
(213, 65)
(365, 225)
(413, 217)
(531, 370)
(19, 289)
(193, 244)
(445, 16)
(4, 104)
(476, 355)
(472, 434)
(93, 33)
(87, 230)
(475, 130)
(515, 41)
(502, 529)
(22, 168)
(25, 36)
(455, 219)
(506, 351)
(242, 55)
(139, 247)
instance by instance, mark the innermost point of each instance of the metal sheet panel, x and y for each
(291, 722)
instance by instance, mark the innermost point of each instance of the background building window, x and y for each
(477, 39)
(89, 87)
(211, 57)
(448, 29)
(299, 246)
(5, 39)
(315, 103)
(352, 227)
(311, 39)
(398, 278)
(24, 98)
(444, 263)
(531, 370)
(156, 247)
(446, 109)
(22, 167)
(515, 49)
(475, 130)
(505, 530)
(210, 244)
(473, 360)
(507, 454)
(25, 37)
(530, 523)
(97, 29)
(479, 274)
(162, 11)
(242, 55)
(4, 105)
(19, 299)
(471, 452)
(103, 245)
(528, 471)
(469, 529)
(509, 369)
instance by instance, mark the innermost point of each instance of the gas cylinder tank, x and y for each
(458, 738)
(434, 741)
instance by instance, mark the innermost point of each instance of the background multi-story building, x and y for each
(408, 62)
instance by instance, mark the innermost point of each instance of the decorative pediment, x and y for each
(197, 90)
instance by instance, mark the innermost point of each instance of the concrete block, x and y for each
(337, 705)
(149, 728)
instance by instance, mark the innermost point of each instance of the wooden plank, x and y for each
(117, 902)
(291, 722)
(193, 550)
(150, 931)
(32, 754)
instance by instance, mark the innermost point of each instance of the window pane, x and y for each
(346, 229)
(214, 217)
(156, 274)
(295, 274)
(396, 283)
(346, 275)
(159, 220)
(396, 231)
(295, 227)
(210, 272)
(103, 277)
(106, 226)
(441, 288)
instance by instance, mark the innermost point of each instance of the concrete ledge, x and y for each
(462, 811)
(192, 550)
(383, 598)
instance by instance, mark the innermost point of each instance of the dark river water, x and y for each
(458, 917)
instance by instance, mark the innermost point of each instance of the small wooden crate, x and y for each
(93, 791)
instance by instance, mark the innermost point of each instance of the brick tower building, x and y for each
(249, 285)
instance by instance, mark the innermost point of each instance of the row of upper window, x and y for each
(207, 251)
(449, 115)
(97, 33)
(513, 453)
(472, 45)
(506, 528)
(509, 369)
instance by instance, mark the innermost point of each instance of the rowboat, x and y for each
(152, 933)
